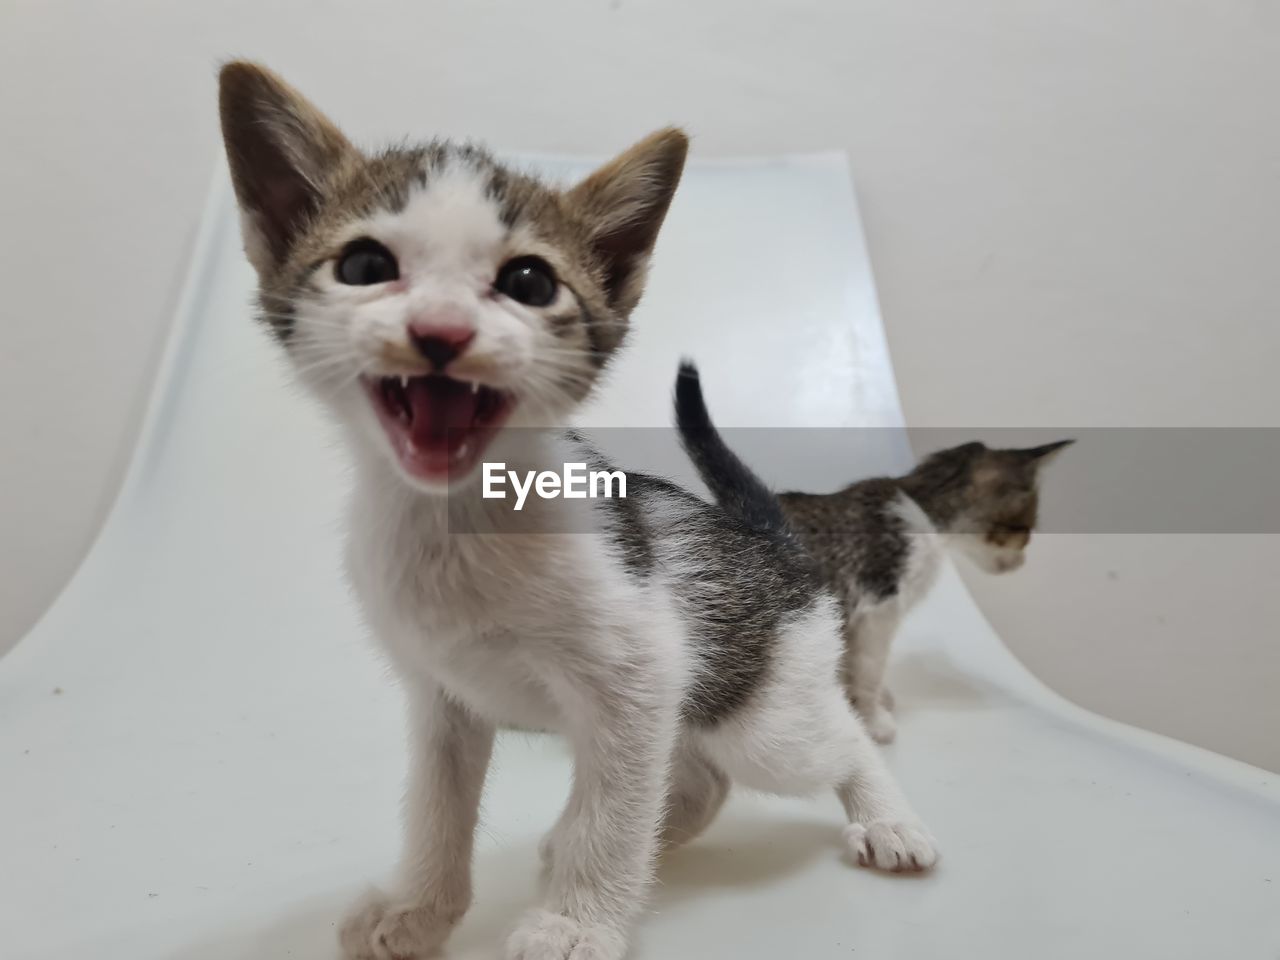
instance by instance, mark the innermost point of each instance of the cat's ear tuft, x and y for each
(281, 149)
(622, 206)
(1046, 453)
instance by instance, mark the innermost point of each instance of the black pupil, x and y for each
(365, 263)
(528, 281)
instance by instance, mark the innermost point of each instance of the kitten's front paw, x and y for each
(552, 936)
(897, 847)
(880, 725)
(379, 929)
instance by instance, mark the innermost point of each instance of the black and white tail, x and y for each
(732, 482)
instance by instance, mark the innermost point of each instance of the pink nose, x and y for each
(439, 343)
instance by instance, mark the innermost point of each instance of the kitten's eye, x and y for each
(365, 262)
(527, 280)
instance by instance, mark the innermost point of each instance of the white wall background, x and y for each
(1073, 207)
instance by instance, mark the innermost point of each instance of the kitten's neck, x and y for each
(935, 503)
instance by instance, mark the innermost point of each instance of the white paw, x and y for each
(378, 929)
(881, 725)
(898, 847)
(552, 936)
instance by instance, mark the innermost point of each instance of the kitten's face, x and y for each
(996, 530)
(430, 296)
(990, 499)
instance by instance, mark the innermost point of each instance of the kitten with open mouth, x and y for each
(438, 426)
(435, 302)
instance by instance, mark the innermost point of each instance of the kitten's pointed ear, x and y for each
(623, 204)
(1046, 453)
(281, 150)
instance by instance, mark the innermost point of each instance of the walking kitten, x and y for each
(878, 542)
(434, 300)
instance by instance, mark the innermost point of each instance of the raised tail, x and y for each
(732, 482)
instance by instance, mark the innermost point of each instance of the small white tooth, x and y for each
(404, 381)
(475, 387)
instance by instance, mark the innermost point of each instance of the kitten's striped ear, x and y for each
(1047, 452)
(281, 150)
(622, 206)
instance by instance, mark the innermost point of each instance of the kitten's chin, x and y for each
(438, 428)
(997, 561)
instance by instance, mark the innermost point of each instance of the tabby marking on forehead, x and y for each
(449, 224)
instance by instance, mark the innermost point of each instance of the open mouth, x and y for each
(439, 427)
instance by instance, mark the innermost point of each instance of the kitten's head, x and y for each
(428, 294)
(986, 499)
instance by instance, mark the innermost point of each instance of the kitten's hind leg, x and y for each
(799, 735)
(697, 792)
(793, 746)
(883, 830)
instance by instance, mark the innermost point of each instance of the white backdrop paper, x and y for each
(200, 755)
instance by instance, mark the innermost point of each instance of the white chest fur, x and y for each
(486, 615)
(924, 558)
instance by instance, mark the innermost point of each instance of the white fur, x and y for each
(871, 625)
(548, 630)
(449, 241)
(988, 556)
(532, 627)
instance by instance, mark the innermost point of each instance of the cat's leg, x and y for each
(450, 755)
(883, 831)
(868, 635)
(697, 792)
(798, 735)
(621, 720)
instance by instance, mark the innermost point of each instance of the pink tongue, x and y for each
(443, 412)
